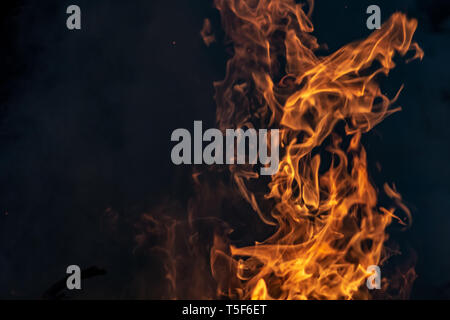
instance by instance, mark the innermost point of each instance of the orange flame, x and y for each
(329, 227)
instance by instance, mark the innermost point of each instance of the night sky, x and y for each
(86, 118)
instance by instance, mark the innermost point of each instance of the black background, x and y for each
(86, 118)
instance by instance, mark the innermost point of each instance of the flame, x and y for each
(328, 225)
(206, 33)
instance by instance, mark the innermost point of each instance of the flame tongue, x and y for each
(329, 228)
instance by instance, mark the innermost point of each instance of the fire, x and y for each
(329, 227)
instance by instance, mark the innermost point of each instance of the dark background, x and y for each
(86, 118)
